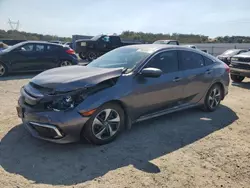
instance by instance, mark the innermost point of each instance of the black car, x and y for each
(92, 48)
(35, 56)
(240, 67)
(227, 55)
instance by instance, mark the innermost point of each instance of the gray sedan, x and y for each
(124, 86)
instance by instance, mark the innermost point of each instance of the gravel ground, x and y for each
(186, 149)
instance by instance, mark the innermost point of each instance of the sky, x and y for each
(91, 17)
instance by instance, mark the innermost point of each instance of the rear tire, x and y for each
(91, 55)
(213, 98)
(3, 70)
(64, 63)
(237, 78)
(99, 130)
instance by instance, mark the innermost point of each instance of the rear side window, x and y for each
(166, 61)
(40, 47)
(190, 60)
(52, 47)
(208, 61)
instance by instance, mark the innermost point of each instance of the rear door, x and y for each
(52, 55)
(155, 94)
(197, 76)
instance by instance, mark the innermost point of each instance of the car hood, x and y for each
(65, 79)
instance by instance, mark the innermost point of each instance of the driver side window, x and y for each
(165, 61)
(27, 48)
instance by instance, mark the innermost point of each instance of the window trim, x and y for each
(138, 69)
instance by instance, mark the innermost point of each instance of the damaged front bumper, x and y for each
(58, 127)
(50, 125)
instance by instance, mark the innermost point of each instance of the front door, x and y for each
(155, 94)
(23, 58)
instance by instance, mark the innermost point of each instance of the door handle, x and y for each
(208, 71)
(177, 79)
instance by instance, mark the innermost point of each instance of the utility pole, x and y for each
(14, 25)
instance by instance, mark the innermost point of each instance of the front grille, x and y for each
(241, 66)
(242, 59)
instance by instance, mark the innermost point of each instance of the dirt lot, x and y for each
(185, 149)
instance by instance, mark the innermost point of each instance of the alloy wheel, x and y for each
(214, 98)
(2, 70)
(106, 124)
(65, 63)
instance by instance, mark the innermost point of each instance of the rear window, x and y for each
(52, 47)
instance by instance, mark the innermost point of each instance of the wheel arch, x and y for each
(217, 82)
(128, 122)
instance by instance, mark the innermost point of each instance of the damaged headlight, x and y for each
(66, 102)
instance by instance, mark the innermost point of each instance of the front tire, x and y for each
(3, 70)
(213, 98)
(82, 56)
(237, 78)
(104, 125)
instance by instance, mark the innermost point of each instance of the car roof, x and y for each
(40, 42)
(157, 47)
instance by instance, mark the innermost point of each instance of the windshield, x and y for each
(96, 37)
(230, 52)
(159, 42)
(126, 57)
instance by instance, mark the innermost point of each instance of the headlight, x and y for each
(66, 102)
(234, 59)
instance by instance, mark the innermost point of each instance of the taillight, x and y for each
(227, 68)
(70, 51)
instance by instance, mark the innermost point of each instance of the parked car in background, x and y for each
(92, 48)
(35, 56)
(127, 85)
(227, 55)
(172, 42)
(69, 44)
(191, 46)
(56, 42)
(240, 67)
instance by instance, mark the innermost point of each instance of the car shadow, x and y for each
(48, 163)
(244, 85)
(19, 76)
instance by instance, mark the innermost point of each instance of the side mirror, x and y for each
(151, 72)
